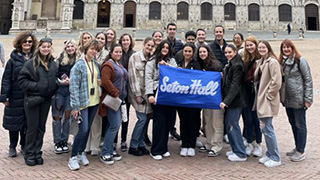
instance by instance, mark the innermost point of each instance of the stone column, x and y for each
(90, 15)
(17, 15)
(66, 15)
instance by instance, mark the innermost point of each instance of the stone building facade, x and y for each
(65, 15)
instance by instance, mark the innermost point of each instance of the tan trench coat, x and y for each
(267, 101)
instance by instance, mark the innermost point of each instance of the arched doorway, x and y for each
(103, 14)
(312, 17)
(129, 17)
(5, 16)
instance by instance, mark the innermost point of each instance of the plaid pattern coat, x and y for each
(136, 70)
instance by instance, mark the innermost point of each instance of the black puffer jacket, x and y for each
(40, 82)
(14, 118)
(219, 52)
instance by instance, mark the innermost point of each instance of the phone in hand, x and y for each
(64, 76)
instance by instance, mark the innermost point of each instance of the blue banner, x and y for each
(189, 88)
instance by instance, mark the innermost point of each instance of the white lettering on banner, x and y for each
(195, 88)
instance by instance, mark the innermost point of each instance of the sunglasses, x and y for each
(46, 40)
(28, 41)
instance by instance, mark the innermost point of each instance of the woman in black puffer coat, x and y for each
(12, 96)
(38, 80)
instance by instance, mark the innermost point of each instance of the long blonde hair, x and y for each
(40, 59)
(66, 59)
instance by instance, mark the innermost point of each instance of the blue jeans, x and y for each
(114, 118)
(270, 138)
(80, 141)
(252, 124)
(60, 130)
(139, 131)
(234, 132)
(297, 119)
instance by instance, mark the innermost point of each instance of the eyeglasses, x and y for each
(28, 41)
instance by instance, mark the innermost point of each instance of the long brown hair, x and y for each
(270, 51)
(295, 51)
(247, 57)
(39, 58)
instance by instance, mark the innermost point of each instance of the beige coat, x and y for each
(267, 99)
(136, 70)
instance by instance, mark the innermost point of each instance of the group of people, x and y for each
(76, 83)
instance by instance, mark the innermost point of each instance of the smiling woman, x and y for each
(38, 80)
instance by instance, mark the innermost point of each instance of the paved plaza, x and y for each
(176, 167)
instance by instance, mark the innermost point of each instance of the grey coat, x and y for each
(152, 75)
(299, 88)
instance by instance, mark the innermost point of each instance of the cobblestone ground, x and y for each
(176, 167)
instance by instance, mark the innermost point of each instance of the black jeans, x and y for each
(189, 126)
(161, 126)
(297, 119)
(36, 122)
(14, 138)
(124, 126)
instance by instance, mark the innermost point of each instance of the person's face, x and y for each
(45, 48)
(148, 47)
(157, 37)
(237, 40)
(165, 49)
(191, 39)
(27, 44)
(230, 53)
(126, 42)
(250, 47)
(92, 52)
(117, 53)
(203, 53)
(101, 38)
(218, 33)
(70, 49)
(86, 38)
(201, 36)
(187, 52)
(286, 50)
(263, 50)
(110, 35)
(172, 31)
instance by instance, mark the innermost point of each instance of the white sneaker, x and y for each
(73, 163)
(249, 149)
(167, 154)
(228, 153)
(264, 159)
(83, 160)
(245, 142)
(156, 157)
(226, 139)
(198, 143)
(184, 152)
(272, 163)
(234, 158)
(191, 152)
(257, 152)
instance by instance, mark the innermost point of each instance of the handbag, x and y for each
(34, 100)
(111, 102)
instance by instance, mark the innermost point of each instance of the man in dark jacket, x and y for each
(175, 44)
(190, 38)
(219, 44)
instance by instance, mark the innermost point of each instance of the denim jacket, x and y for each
(79, 93)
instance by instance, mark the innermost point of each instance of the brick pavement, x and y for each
(176, 167)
